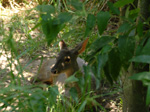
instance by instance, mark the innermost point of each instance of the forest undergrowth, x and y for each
(23, 47)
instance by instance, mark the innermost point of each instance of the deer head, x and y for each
(66, 61)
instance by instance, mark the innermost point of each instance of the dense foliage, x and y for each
(116, 43)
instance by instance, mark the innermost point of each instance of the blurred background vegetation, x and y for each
(118, 52)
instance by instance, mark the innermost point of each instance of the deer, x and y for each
(67, 62)
(47, 77)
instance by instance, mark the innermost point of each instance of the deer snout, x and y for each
(54, 71)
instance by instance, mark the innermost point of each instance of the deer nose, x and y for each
(54, 71)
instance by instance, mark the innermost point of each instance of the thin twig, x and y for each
(10, 2)
(15, 3)
(1, 7)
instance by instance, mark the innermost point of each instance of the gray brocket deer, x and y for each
(49, 75)
(46, 76)
(66, 62)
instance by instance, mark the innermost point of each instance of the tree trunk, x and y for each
(144, 5)
(134, 93)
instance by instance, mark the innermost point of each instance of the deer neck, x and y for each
(72, 70)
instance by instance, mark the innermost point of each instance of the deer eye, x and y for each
(67, 59)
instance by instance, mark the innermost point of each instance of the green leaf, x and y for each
(124, 28)
(101, 60)
(114, 63)
(52, 26)
(98, 44)
(148, 96)
(46, 8)
(121, 3)
(112, 8)
(50, 30)
(101, 42)
(126, 47)
(134, 13)
(45, 17)
(68, 34)
(63, 18)
(46, 27)
(53, 92)
(141, 45)
(71, 79)
(36, 26)
(77, 4)
(106, 49)
(141, 59)
(74, 94)
(146, 48)
(140, 28)
(81, 108)
(89, 24)
(107, 73)
(127, 12)
(113, 66)
(46, 11)
(143, 76)
(102, 20)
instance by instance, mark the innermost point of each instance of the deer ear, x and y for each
(81, 47)
(62, 45)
